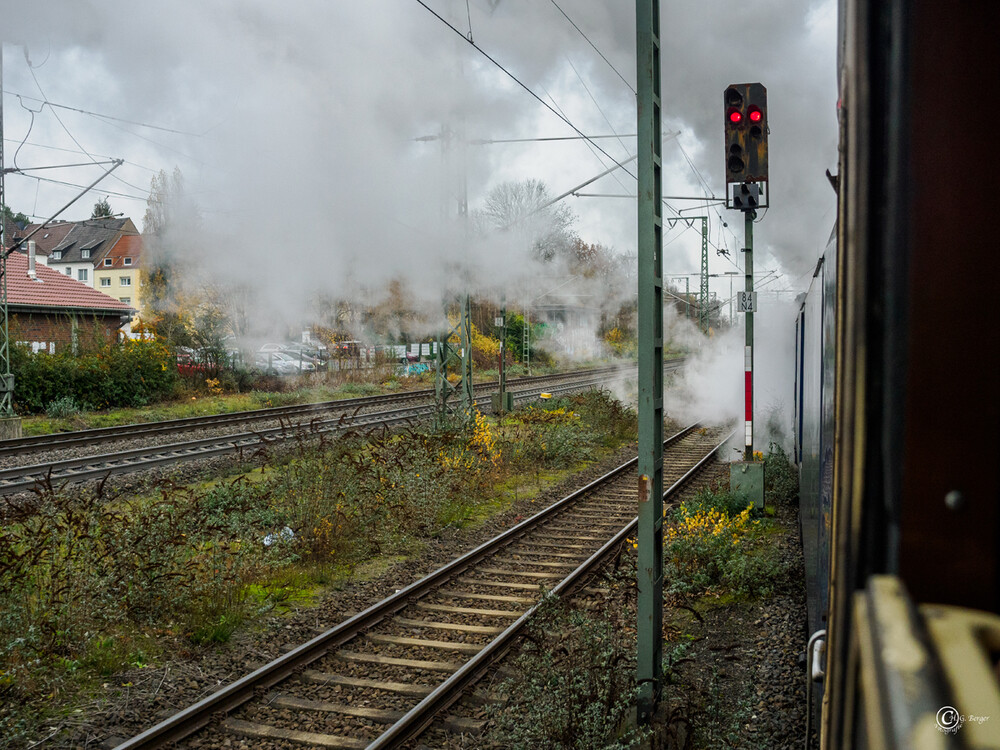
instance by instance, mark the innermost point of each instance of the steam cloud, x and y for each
(306, 172)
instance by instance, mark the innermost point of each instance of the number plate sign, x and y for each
(747, 302)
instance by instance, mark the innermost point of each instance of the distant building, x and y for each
(45, 239)
(119, 272)
(83, 246)
(50, 311)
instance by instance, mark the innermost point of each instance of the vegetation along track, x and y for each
(382, 676)
(132, 452)
(297, 413)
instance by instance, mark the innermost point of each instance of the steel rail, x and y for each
(194, 717)
(14, 446)
(417, 719)
(21, 478)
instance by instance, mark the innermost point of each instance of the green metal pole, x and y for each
(748, 351)
(504, 407)
(703, 313)
(650, 250)
(6, 379)
(526, 340)
(467, 398)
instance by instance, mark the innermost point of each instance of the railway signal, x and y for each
(745, 107)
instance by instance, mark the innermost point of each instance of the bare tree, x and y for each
(525, 207)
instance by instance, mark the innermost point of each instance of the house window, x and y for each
(106, 281)
(69, 271)
(126, 300)
(125, 280)
(85, 254)
(57, 255)
(127, 262)
(108, 261)
(81, 274)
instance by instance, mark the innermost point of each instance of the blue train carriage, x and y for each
(912, 651)
(813, 428)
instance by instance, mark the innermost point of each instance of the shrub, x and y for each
(129, 373)
(575, 684)
(781, 481)
(78, 563)
(65, 406)
(712, 545)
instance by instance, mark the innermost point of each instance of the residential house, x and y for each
(119, 272)
(85, 246)
(50, 311)
(44, 239)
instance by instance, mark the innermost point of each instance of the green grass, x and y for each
(200, 405)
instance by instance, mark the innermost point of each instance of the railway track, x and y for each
(381, 677)
(347, 414)
(301, 413)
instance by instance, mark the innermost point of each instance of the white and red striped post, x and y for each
(749, 215)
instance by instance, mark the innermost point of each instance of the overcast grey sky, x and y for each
(297, 123)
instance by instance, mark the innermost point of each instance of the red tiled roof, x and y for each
(127, 246)
(54, 290)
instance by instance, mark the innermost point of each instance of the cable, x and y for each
(106, 117)
(589, 145)
(77, 151)
(631, 88)
(31, 125)
(594, 100)
(59, 120)
(490, 141)
(524, 86)
(80, 187)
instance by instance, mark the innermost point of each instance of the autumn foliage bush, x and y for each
(102, 375)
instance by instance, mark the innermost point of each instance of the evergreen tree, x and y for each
(102, 210)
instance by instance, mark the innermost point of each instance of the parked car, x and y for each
(281, 363)
(317, 352)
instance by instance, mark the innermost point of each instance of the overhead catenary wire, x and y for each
(610, 65)
(55, 114)
(116, 194)
(590, 147)
(518, 81)
(104, 116)
(78, 151)
(596, 104)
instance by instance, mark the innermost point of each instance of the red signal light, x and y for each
(735, 116)
(756, 115)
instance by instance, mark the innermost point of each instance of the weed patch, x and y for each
(575, 684)
(715, 546)
(92, 578)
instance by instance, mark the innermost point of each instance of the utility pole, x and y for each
(703, 317)
(526, 339)
(455, 192)
(450, 358)
(10, 425)
(687, 293)
(503, 402)
(649, 672)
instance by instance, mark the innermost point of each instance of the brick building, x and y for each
(50, 311)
